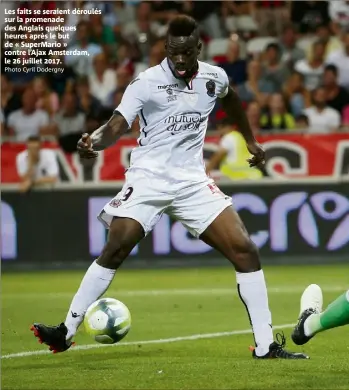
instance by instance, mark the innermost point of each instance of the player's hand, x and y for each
(85, 147)
(258, 159)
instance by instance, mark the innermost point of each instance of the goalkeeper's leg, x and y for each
(313, 321)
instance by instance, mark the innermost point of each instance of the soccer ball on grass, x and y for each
(107, 321)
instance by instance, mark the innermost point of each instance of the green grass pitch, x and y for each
(167, 306)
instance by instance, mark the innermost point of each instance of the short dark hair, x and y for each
(182, 26)
(33, 138)
(332, 68)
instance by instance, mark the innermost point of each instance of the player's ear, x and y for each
(199, 47)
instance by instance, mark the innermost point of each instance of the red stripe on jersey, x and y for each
(191, 80)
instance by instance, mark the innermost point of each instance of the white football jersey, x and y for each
(173, 119)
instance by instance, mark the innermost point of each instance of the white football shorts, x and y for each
(145, 197)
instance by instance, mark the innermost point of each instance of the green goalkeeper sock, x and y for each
(335, 315)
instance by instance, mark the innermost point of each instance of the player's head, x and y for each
(33, 145)
(183, 46)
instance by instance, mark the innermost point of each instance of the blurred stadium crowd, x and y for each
(288, 61)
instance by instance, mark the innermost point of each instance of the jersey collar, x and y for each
(166, 68)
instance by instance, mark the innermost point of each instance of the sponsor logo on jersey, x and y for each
(212, 74)
(167, 86)
(182, 122)
(211, 88)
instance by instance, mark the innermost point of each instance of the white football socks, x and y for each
(253, 293)
(94, 284)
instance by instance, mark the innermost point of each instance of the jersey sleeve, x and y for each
(134, 98)
(224, 84)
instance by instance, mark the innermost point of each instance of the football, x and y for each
(107, 320)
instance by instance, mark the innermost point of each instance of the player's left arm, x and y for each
(232, 106)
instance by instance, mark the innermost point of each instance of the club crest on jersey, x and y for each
(211, 88)
(171, 97)
(115, 203)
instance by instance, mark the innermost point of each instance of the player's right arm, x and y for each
(133, 100)
(103, 137)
